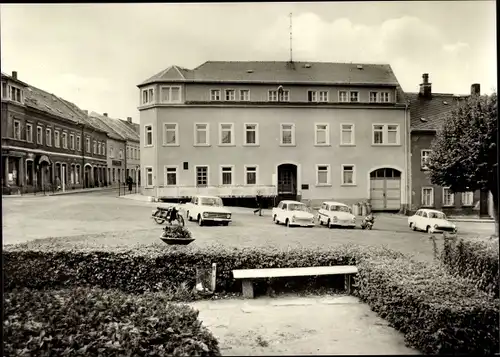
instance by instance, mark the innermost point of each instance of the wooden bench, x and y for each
(248, 275)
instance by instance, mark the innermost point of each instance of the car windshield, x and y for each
(297, 207)
(437, 215)
(339, 208)
(211, 201)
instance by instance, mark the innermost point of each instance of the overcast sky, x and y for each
(94, 55)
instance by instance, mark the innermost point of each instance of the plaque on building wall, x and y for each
(116, 163)
(305, 186)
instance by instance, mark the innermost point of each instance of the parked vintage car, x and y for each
(293, 213)
(207, 208)
(336, 214)
(431, 221)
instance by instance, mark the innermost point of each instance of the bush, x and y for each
(474, 260)
(91, 322)
(437, 312)
(176, 232)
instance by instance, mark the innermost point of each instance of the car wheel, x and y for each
(413, 227)
(275, 219)
(200, 221)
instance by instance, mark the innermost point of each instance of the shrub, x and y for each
(474, 260)
(92, 322)
(437, 312)
(176, 232)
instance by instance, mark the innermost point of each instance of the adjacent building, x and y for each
(46, 141)
(428, 112)
(133, 150)
(298, 130)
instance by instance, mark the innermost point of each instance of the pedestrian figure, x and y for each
(258, 198)
(129, 182)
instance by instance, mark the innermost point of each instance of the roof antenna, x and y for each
(291, 57)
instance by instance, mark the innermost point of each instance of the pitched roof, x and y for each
(117, 127)
(281, 72)
(134, 126)
(84, 117)
(430, 113)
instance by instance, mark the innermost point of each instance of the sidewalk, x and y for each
(57, 193)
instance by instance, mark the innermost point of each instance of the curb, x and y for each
(471, 220)
(41, 194)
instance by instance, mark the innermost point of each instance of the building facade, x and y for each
(133, 152)
(428, 112)
(46, 143)
(306, 131)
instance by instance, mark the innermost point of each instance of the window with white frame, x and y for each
(373, 97)
(95, 147)
(354, 96)
(77, 174)
(99, 148)
(287, 134)
(322, 175)
(346, 134)
(72, 141)
(5, 91)
(323, 96)
(348, 177)
(230, 94)
(312, 96)
(48, 137)
(148, 135)
(170, 134)
(39, 135)
(201, 176)
(57, 141)
(250, 175)
(251, 134)
(201, 134)
(343, 96)
(284, 96)
(111, 152)
(226, 175)
(468, 198)
(29, 133)
(424, 159)
(448, 197)
(65, 140)
(322, 134)
(385, 97)
(149, 176)
(385, 134)
(226, 136)
(215, 94)
(244, 95)
(78, 143)
(427, 196)
(104, 148)
(17, 130)
(87, 143)
(170, 94)
(272, 96)
(170, 175)
(148, 95)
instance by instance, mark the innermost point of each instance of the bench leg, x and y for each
(347, 283)
(247, 289)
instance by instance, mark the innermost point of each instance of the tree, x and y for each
(464, 152)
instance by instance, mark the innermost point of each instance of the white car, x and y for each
(207, 208)
(431, 221)
(336, 214)
(293, 213)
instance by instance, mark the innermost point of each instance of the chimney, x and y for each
(475, 89)
(14, 74)
(129, 119)
(105, 114)
(425, 87)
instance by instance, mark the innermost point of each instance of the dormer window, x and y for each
(4, 90)
(12, 92)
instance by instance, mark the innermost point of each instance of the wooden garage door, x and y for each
(385, 190)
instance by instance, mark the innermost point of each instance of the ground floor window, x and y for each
(226, 175)
(427, 196)
(202, 176)
(149, 176)
(322, 174)
(72, 175)
(448, 197)
(348, 175)
(171, 175)
(77, 174)
(251, 175)
(30, 172)
(467, 198)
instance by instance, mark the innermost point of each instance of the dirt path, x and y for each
(298, 325)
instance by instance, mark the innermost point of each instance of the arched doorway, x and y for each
(287, 182)
(87, 175)
(385, 189)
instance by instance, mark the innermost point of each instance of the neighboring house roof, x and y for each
(281, 72)
(99, 119)
(430, 113)
(117, 127)
(136, 127)
(84, 117)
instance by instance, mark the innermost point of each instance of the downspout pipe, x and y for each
(408, 158)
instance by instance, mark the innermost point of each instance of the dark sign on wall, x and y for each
(116, 163)
(305, 186)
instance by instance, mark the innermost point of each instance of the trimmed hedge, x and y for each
(474, 260)
(437, 312)
(92, 322)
